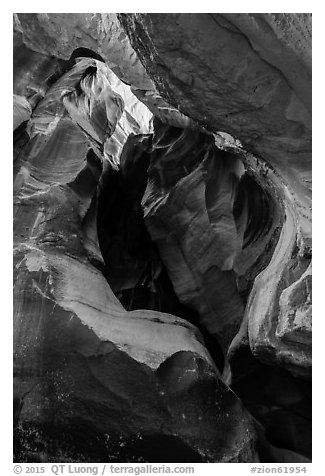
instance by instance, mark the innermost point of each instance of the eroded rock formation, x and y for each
(250, 91)
(161, 265)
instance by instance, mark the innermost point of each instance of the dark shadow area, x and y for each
(134, 269)
(282, 404)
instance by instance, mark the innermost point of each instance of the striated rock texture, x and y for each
(117, 384)
(162, 237)
(255, 71)
(60, 34)
(38, 53)
(212, 222)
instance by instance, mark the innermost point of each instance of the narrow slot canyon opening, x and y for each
(184, 228)
(137, 274)
(134, 267)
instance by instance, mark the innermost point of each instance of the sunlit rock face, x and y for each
(255, 71)
(160, 263)
(38, 53)
(60, 34)
(135, 384)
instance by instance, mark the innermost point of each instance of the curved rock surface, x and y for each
(255, 71)
(162, 237)
(21, 110)
(81, 360)
(100, 32)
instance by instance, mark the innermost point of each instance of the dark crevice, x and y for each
(134, 269)
(281, 403)
(242, 216)
(20, 139)
(133, 266)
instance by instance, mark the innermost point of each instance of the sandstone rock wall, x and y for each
(109, 379)
(255, 71)
(113, 205)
